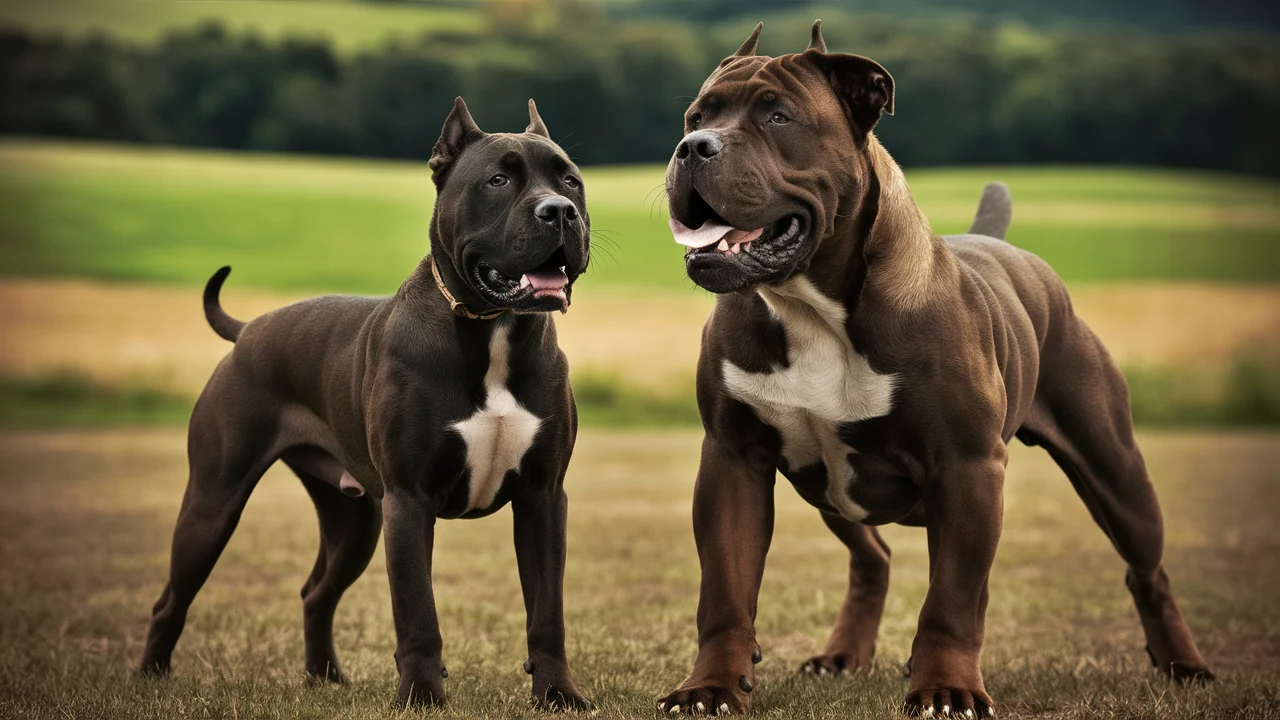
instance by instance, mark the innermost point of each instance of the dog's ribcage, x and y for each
(500, 432)
(825, 384)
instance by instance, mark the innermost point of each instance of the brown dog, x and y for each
(883, 370)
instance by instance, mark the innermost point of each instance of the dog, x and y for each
(883, 370)
(449, 399)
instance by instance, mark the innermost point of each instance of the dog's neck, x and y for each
(883, 248)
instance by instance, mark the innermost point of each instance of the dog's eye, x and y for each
(572, 182)
(498, 180)
(779, 119)
(695, 120)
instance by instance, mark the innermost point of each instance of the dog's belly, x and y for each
(498, 434)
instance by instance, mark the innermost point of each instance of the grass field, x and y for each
(87, 518)
(358, 226)
(351, 25)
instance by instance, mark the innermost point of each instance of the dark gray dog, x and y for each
(883, 370)
(447, 400)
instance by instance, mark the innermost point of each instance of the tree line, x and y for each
(967, 93)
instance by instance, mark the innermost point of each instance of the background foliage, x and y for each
(612, 79)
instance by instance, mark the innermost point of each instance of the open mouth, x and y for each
(767, 249)
(541, 289)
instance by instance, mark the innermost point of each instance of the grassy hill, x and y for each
(289, 223)
(352, 26)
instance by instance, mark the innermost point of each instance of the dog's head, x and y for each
(510, 217)
(771, 148)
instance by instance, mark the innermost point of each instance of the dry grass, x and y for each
(114, 332)
(84, 547)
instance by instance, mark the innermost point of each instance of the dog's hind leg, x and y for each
(227, 451)
(853, 640)
(1081, 415)
(349, 532)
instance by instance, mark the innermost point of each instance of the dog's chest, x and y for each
(826, 383)
(499, 433)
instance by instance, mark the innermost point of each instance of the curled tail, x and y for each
(227, 327)
(995, 210)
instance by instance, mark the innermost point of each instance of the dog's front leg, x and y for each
(732, 525)
(963, 515)
(409, 530)
(539, 518)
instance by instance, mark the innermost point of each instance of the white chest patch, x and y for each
(825, 384)
(499, 434)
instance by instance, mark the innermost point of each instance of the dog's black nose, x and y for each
(555, 210)
(699, 146)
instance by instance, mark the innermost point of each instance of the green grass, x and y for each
(87, 518)
(353, 26)
(1247, 394)
(288, 223)
(69, 398)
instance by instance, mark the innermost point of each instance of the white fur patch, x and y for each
(499, 433)
(827, 383)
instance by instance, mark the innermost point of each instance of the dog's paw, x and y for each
(562, 699)
(708, 699)
(420, 693)
(1187, 674)
(943, 702)
(153, 668)
(327, 672)
(834, 664)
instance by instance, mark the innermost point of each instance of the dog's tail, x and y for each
(995, 210)
(227, 327)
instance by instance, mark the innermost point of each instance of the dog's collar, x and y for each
(457, 307)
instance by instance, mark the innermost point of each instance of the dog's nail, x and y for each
(808, 668)
(822, 670)
(968, 713)
(946, 710)
(723, 246)
(700, 707)
(674, 709)
(928, 712)
(756, 657)
(724, 709)
(662, 706)
(745, 684)
(524, 282)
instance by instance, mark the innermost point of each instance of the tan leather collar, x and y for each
(457, 307)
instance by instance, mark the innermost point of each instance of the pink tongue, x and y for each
(710, 233)
(547, 280)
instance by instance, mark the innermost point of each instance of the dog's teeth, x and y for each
(737, 249)
(723, 246)
(747, 247)
(524, 282)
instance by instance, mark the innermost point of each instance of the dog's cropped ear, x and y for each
(864, 87)
(815, 39)
(748, 47)
(536, 126)
(459, 132)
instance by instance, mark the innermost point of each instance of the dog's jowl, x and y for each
(883, 370)
(449, 399)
